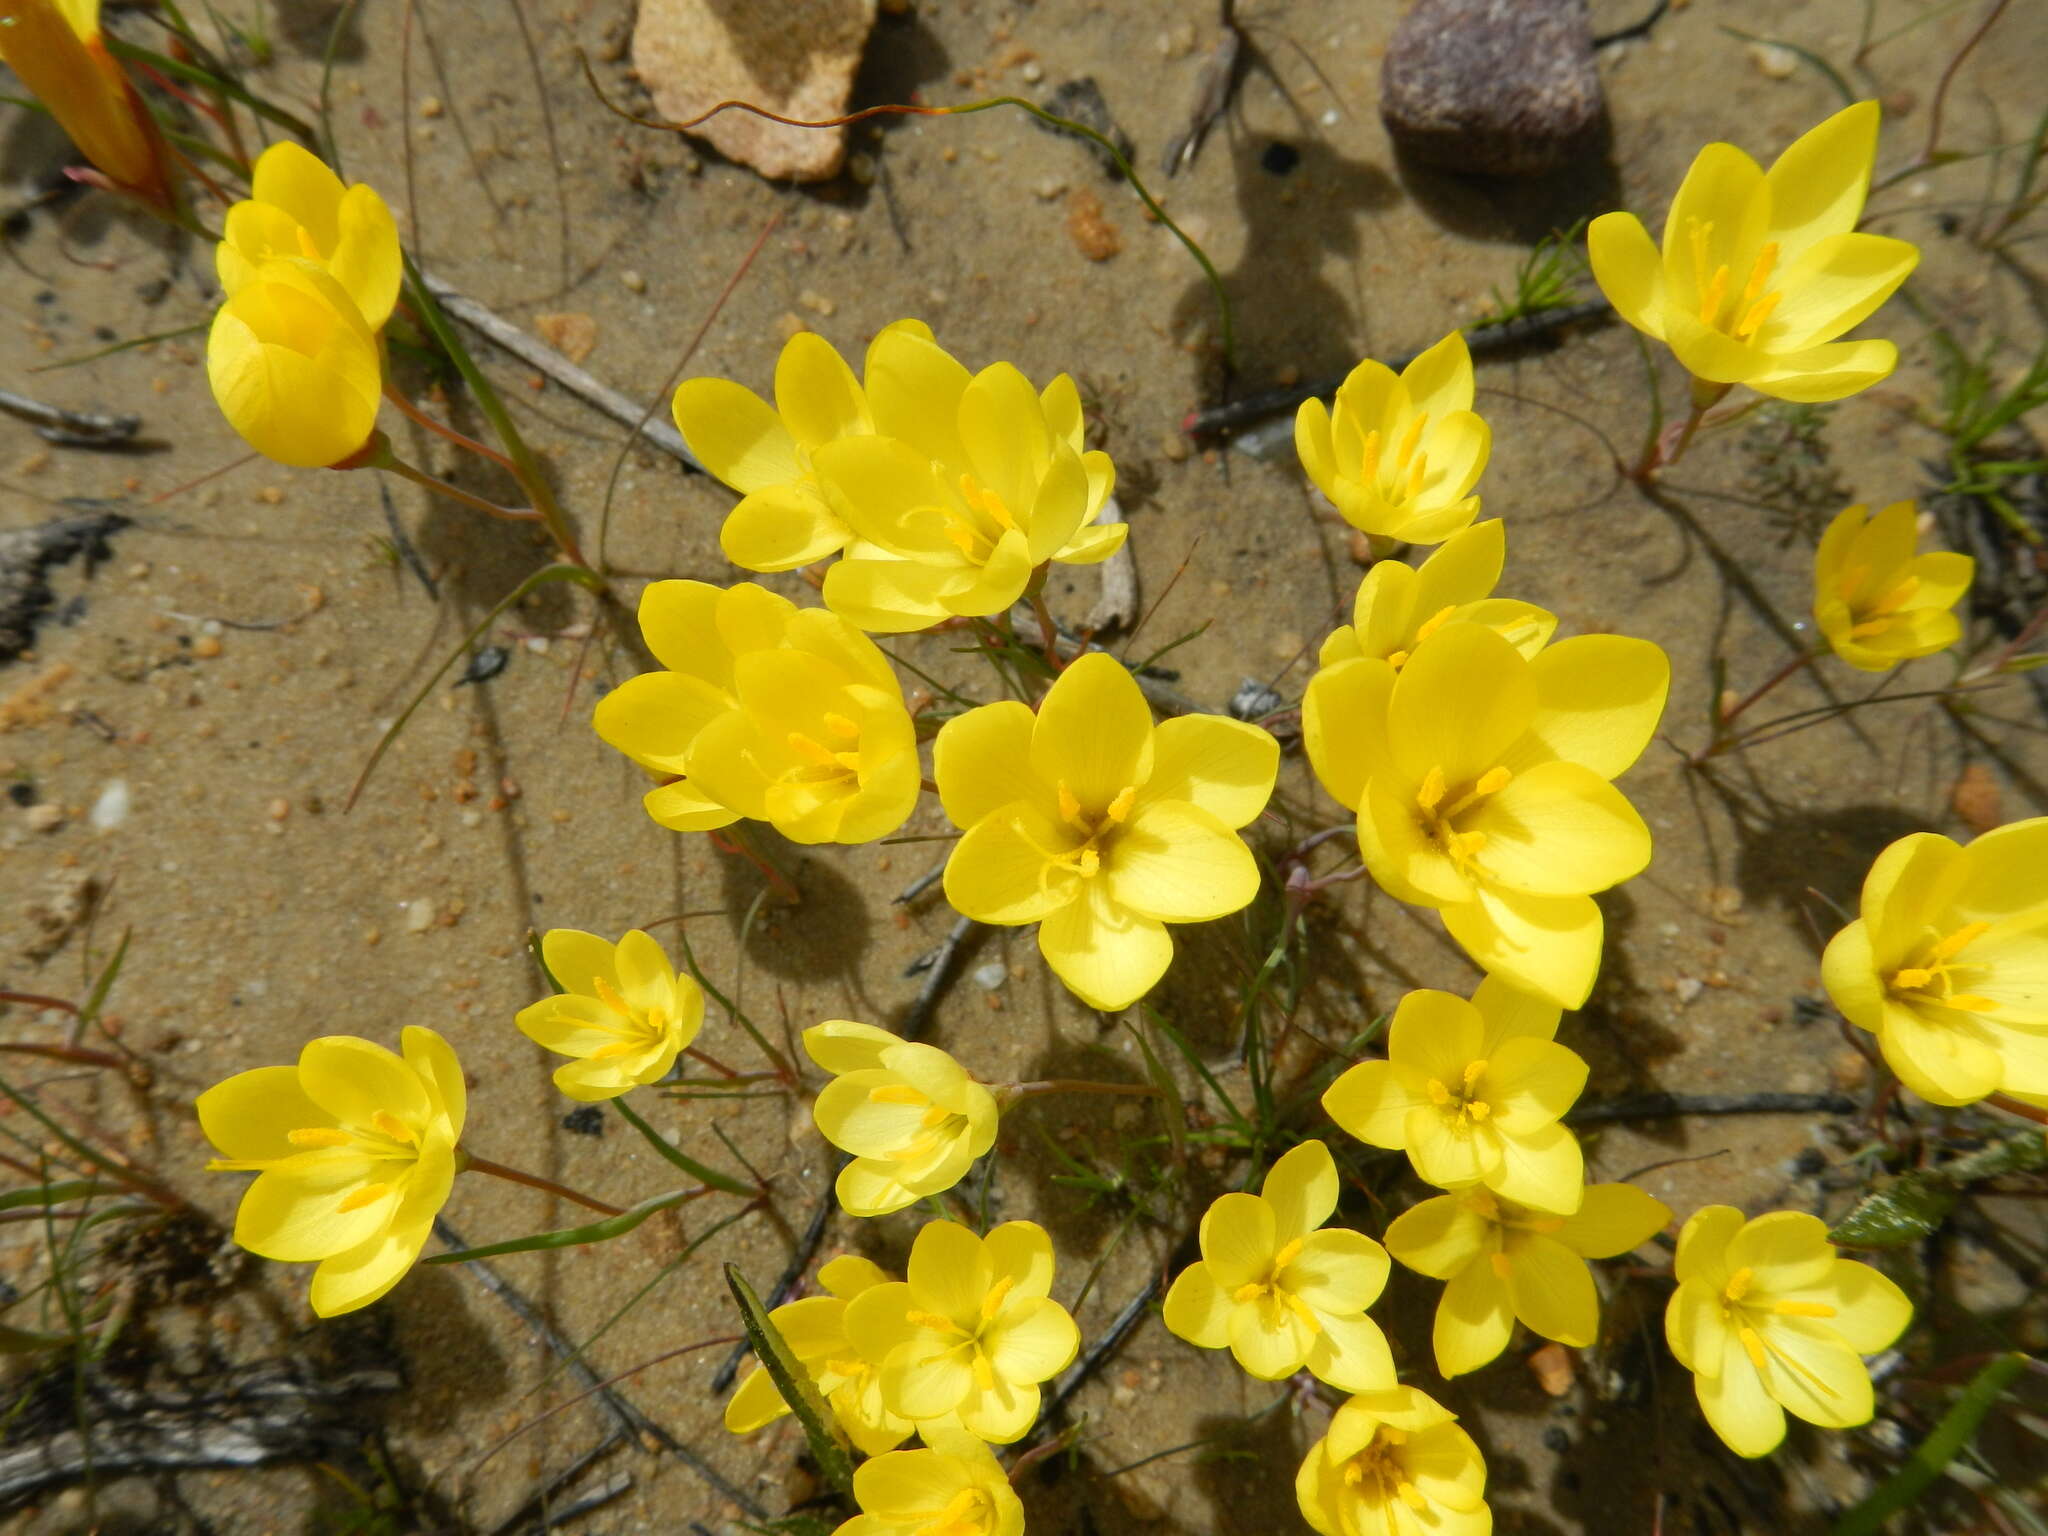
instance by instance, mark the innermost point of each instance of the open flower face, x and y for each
(1509, 1263)
(1762, 270)
(1769, 1321)
(295, 367)
(1279, 1289)
(354, 1152)
(1948, 963)
(1877, 602)
(972, 1332)
(298, 209)
(764, 710)
(1394, 1463)
(1102, 829)
(624, 1014)
(765, 452)
(1481, 782)
(1399, 606)
(957, 1488)
(1473, 1093)
(1399, 454)
(815, 1331)
(910, 1115)
(972, 484)
(55, 48)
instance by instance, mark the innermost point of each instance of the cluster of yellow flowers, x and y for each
(1477, 753)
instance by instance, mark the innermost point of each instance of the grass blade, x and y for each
(828, 1446)
(572, 1237)
(675, 1155)
(1902, 1490)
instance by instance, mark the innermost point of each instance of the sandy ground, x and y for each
(262, 914)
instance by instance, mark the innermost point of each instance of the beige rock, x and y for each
(796, 59)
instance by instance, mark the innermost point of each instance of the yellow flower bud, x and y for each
(1877, 602)
(56, 49)
(295, 367)
(298, 209)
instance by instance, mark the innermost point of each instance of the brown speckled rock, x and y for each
(1493, 87)
(796, 58)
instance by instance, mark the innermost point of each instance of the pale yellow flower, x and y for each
(1770, 1320)
(1509, 1263)
(1474, 1093)
(623, 1013)
(1948, 963)
(295, 367)
(1279, 1289)
(955, 1488)
(298, 209)
(1762, 270)
(1399, 606)
(1398, 455)
(814, 1328)
(1394, 1463)
(355, 1153)
(1876, 601)
(910, 1114)
(972, 1333)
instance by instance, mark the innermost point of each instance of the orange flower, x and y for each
(56, 49)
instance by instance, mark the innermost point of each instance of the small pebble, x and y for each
(818, 304)
(46, 817)
(419, 915)
(1033, 72)
(431, 107)
(633, 281)
(206, 647)
(112, 806)
(278, 809)
(1773, 60)
(989, 977)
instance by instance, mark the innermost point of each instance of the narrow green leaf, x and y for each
(105, 982)
(1901, 1491)
(828, 1444)
(571, 1237)
(53, 1194)
(675, 1155)
(1171, 1109)
(21, 1341)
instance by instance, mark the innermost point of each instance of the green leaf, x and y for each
(1901, 1491)
(828, 1444)
(53, 1194)
(1912, 1205)
(675, 1155)
(1171, 1109)
(21, 1341)
(572, 1237)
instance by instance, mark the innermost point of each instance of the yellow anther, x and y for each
(1432, 624)
(1752, 1345)
(1760, 274)
(813, 752)
(1438, 1093)
(1712, 296)
(895, 1093)
(1911, 978)
(1739, 1284)
(1851, 582)
(1478, 1109)
(852, 1369)
(369, 1194)
(1413, 436)
(1501, 1266)
(1354, 1473)
(390, 1125)
(1302, 1310)
(1483, 1205)
(1411, 1496)
(1901, 593)
(1474, 1070)
(1398, 660)
(1542, 1224)
(1754, 317)
(1251, 1290)
(935, 1117)
(1288, 1254)
(1802, 1309)
(608, 994)
(1493, 781)
(840, 726)
(938, 1322)
(319, 1136)
(1070, 807)
(961, 537)
(1088, 863)
(992, 1303)
(1417, 473)
(1392, 1436)
(1431, 793)
(1699, 232)
(1969, 1002)
(1120, 808)
(1958, 941)
(1369, 466)
(1466, 844)
(618, 1048)
(1869, 627)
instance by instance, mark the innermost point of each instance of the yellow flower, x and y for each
(815, 1330)
(910, 1115)
(1473, 1092)
(625, 1015)
(765, 451)
(55, 47)
(1399, 454)
(1875, 600)
(1762, 270)
(956, 1489)
(971, 485)
(1769, 1320)
(1394, 1463)
(1399, 606)
(1481, 782)
(1948, 964)
(764, 710)
(354, 1149)
(295, 368)
(298, 209)
(1102, 829)
(1507, 1262)
(971, 1333)
(1282, 1291)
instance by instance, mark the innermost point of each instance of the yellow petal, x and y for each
(682, 807)
(1435, 1034)
(293, 1212)
(1703, 1244)
(250, 1116)
(356, 1080)
(1942, 1063)
(1439, 380)
(1474, 1321)
(754, 1404)
(1109, 956)
(816, 394)
(855, 1120)
(1312, 444)
(434, 1062)
(294, 367)
(290, 177)
(1337, 1271)
(1818, 184)
(981, 761)
(1736, 1406)
(1176, 862)
(1351, 1354)
(1093, 733)
(1848, 969)
(1033, 1345)
(1301, 1187)
(735, 434)
(1832, 371)
(1059, 508)
(1239, 1237)
(1548, 945)
(1461, 701)
(1372, 1102)
(352, 1280)
(1628, 269)
(579, 961)
(1814, 1375)
(842, 1045)
(1439, 1237)
(1403, 857)
(1198, 1309)
(1222, 766)
(1870, 1311)
(1508, 1013)
(1269, 1343)
(1444, 1158)
(1530, 1083)
(365, 258)
(1003, 429)
(1559, 829)
(889, 597)
(1836, 285)
(914, 389)
(1344, 725)
(1695, 1327)
(1552, 1290)
(950, 1273)
(1020, 1252)
(999, 872)
(1543, 1169)
(1719, 217)
(780, 527)
(1598, 700)
(849, 1274)
(656, 718)
(1613, 1219)
(872, 1188)
(995, 585)
(1783, 1250)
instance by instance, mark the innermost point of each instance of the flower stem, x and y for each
(1722, 741)
(398, 466)
(415, 414)
(739, 838)
(1667, 447)
(1048, 633)
(475, 1164)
